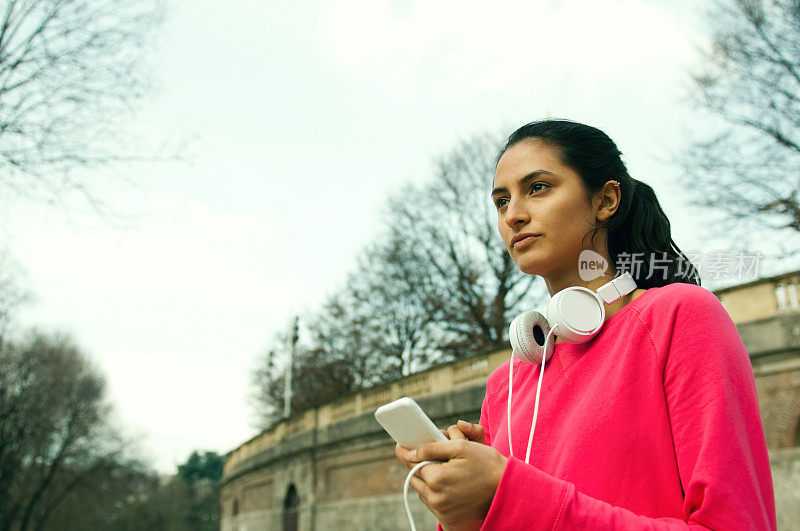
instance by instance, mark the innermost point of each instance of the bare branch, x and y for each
(751, 81)
(69, 69)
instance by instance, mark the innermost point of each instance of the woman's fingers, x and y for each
(473, 432)
(418, 484)
(465, 430)
(400, 453)
(439, 451)
(455, 433)
(421, 479)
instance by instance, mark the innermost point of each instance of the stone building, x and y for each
(333, 467)
(767, 315)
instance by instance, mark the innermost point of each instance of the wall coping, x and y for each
(448, 377)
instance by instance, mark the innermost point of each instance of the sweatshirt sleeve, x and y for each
(485, 419)
(717, 434)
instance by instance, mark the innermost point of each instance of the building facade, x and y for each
(334, 468)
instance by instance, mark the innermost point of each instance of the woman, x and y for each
(653, 423)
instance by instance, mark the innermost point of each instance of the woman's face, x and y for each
(537, 195)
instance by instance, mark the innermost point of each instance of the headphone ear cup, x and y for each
(527, 334)
(579, 313)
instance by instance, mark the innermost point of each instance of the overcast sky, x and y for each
(303, 117)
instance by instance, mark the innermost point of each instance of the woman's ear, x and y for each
(608, 199)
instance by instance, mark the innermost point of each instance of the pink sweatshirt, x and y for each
(653, 424)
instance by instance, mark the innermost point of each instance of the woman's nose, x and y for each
(516, 214)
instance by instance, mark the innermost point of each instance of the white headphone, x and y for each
(575, 314)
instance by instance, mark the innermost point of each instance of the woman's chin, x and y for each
(529, 267)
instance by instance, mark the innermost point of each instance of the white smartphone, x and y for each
(408, 425)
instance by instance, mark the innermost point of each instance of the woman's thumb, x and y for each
(472, 431)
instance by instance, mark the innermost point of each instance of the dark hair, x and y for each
(639, 227)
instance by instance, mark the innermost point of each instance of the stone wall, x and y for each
(345, 474)
(778, 386)
(786, 482)
(342, 463)
(347, 477)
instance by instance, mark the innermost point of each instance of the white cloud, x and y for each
(446, 49)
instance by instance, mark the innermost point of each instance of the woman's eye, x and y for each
(500, 202)
(534, 185)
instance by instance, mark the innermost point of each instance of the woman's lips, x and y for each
(524, 242)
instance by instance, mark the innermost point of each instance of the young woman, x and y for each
(654, 422)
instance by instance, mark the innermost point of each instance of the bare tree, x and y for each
(63, 466)
(53, 432)
(261, 395)
(383, 323)
(125, 495)
(438, 284)
(12, 294)
(340, 331)
(398, 307)
(318, 376)
(750, 79)
(453, 225)
(377, 328)
(68, 69)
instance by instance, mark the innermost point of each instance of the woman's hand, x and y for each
(463, 430)
(459, 490)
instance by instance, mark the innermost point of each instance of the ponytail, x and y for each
(640, 242)
(639, 234)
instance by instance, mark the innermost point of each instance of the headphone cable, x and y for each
(405, 491)
(538, 393)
